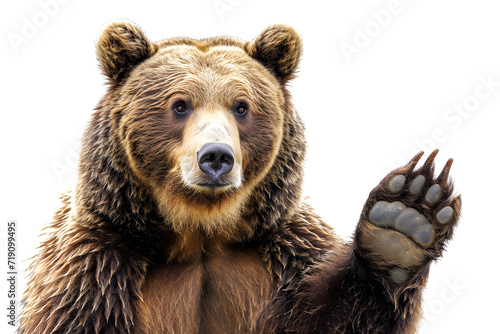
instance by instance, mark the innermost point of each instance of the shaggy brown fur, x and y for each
(146, 244)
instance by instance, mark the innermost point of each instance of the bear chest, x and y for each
(222, 293)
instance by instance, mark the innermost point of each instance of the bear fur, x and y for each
(148, 243)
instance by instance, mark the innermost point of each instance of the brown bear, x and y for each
(188, 214)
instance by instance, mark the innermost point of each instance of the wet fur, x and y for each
(117, 259)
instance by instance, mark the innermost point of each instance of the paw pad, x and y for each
(406, 220)
(399, 275)
(384, 214)
(417, 184)
(394, 247)
(444, 215)
(397, 183)
(434, 194)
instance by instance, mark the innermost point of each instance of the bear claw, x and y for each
(446, 170)
(429, 163)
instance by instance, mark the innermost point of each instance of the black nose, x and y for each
(216, 159)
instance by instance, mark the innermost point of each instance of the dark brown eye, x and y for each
(180, 107)
(241, 109)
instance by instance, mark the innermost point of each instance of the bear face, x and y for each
(199, 123)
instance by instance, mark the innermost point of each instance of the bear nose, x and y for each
(216, 159)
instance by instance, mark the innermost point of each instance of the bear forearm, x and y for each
(341, 295)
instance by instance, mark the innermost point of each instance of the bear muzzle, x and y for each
(211, 153)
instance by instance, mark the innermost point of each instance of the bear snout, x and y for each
(215, 159)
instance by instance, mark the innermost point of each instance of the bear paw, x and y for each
(407, 219)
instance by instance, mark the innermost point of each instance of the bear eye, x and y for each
(180, 107)
(241, 109)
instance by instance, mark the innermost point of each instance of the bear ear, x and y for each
(278, 48)
(120, 47)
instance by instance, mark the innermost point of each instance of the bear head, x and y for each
(200, 131)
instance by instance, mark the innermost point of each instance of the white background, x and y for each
(365, 113)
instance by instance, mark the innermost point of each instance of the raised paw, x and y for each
(407, 219)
